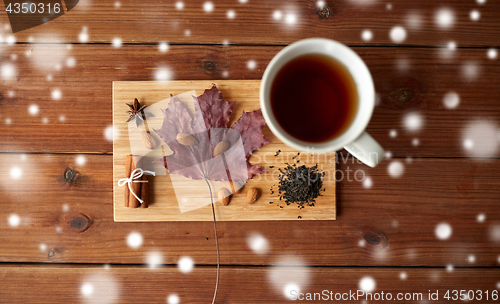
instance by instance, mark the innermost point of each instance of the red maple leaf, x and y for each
(209, 126)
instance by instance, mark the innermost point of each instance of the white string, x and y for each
(134, 176)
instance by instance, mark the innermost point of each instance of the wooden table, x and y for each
(59, 243)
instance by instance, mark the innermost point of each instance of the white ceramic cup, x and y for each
(355, 140)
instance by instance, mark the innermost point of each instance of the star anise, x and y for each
(135, 111)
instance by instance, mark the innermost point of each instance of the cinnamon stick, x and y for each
(128, 171)
(136, 187)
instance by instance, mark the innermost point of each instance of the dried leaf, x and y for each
(209, 127)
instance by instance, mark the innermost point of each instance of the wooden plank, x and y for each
(393, 223)
(136, 284)
(151, 22)
(167, 191)
(86, 92)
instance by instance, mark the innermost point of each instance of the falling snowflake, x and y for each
(320, 4)
(287, 274)
(87, 289)
(395, 169)
(45, 120)
(179, 5)
(243, 1)
(414, 20)
(403, 275)
(118, 4)
(481, 217)
(173, 299)
(492, 53)
(397, 34)
(111, 133)
(65, 207)
(451, 100)
(42, 247)
(366, 35)
(290, 289)
(33, 109)
(208, 7)
(187, 32)
(231, 14)
(443, 231)
(415, 142)
(290, 18)
(14, 220)
(56, 94)
(393, 133)
(481, 1)
(163, 74)
(80, 160)
(258, 243)
(70, 62)
(367, 182)
(388, 6)
(251, 64)
(16, 173)
(494, 233)
(163, 47)
(361, 243)
(277, 15)
(83, 37)
(471, 259)
(134, 240)
(367, 284)
(470, 70)
(449, 268)
(8, 121)
(8, 71)
(100, 288)
(117, 42)
(154, 259)
(10, 39)
(478, 138)
(225, 74)
(444, 18)
(413, 121)
(62, 118)
(474, 15)
(388, 154)
(185, 264)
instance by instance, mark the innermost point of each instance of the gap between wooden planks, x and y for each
(27, 283)
(164, 205)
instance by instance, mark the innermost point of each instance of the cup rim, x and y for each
(356, 67)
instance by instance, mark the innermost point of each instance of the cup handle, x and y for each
(366, 149)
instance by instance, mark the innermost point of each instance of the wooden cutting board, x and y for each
(163, 204)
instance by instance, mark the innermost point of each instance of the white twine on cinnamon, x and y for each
(134, 176)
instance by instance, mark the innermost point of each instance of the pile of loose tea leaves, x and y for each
(300, 184)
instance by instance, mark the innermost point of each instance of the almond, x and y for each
(148, 140)
(224, 196)
(186, 139)
(252, 195)
(221, 148)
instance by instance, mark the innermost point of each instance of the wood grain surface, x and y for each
(140, 284)
(431, 208)
(408, 80)
(169, 191)
(152, 21)
(392, 223)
